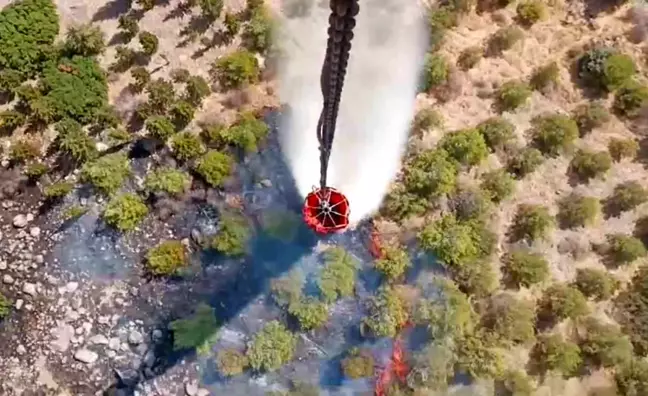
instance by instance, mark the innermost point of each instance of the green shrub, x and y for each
(624, 249)
(498, 185)
(630, 99)
(561, 301)
(231, 362)
(9, 81)
(10, 120)
(24, 150)
(337, 279)
(518, 383)
(595, 283)
(633, 310)
(160, 127)
(400, 204)
(166, 258)
(431, 173)
(84, 40)
(531, 223)
(358, 365)
(440, 19)
(618, 70)
(182, 113)
(524, 268)
(186, 146)
(447, 313)
(603, 68)
(470, 57)
(476, 278)
(232, 236)
(553, 353)
(5, 306)
(498, 132)
(309, 312)
(107, 173)
(245, 134)
(36, 170)
(142, 77)
(578, 211)
(470, 203)
(236, 69)
(510, 320)
(149, 43)
(393, 264)
(29, 28)
(272, 347)
(259, 30)
(589, 116)
(603, 345)
(525, 161)
(57, 191)
(426, 119)
(180, 75)
(215, 167)
(512, 94)
(466, 146)
(287, 289)
(125, 212)
(588, 165)
(232, 23)
(545, 77)
(627, 196)
(196, 90)
(74, 212)
(73, 141)
(623, 148)
(479, 357)
(387, 313)
(504, 39)
(146, 5)
(161, 96)
(554, 133)
(75, 87)
(211, 9)
(124, 58)
(129, 26)
(196, 331)
(435, 71)
(632, 379)
(531, 11)
(167, 180)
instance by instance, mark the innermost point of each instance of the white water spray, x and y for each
(377, 99)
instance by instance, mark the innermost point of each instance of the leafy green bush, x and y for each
(504, 39)
(553, 353)
(142, 77)
(476, 278)
(394, 263)
(623, 148)
(632, 379)
(627, 196)
(603, 345)
(73, 141)
(387, 313)
(479, 357)
(180, 75)
(554, 133)
(24, 150)
(518, 383)
(358, 364)
(9, 81)
(84, 40)
(259, 30)
(531, 223)
(435, 71)
(512, 94)
(589, 116)
(211, 9)
(231, 362)
(630, 99)
(196, 90)
(186, 146)
(232, 23)
(287, 289)
(470, 57)
(596, 283)
(440, 19)
(74, 212)
(75, 87)
(510, 320)
(166, 258)
(524, 268)
(161, 96)
(182, 113)
(245, 134)
(10, 120)
(498, 185)
(561, 301)
(57, 190)
(337, 279)
(167, 180)
(426, 119)
(215, 167)
(400, 204)
(160, 127)
(5, 306)
(470, 203)
(525, 161)
(125, 212)
(125, 57)
(633, 310)
(36, 170)
(466, 146)
(588, 165)
(128, 25)
(309, 312)
(236, 70)
(272, 347)
(624, 249)
(448, 313)
(149, 43)
(545, 76)
(196, 331)
(603, 68)
(578, 211)
(29, 28)
(498, 132)
(431, 173)
(232, 236)
(107, 173)
(531, 11)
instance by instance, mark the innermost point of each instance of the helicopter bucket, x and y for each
(326, 210)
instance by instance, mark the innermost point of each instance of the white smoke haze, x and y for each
(377, 99)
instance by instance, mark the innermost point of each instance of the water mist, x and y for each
(377, 99)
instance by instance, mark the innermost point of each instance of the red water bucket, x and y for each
(326, 210)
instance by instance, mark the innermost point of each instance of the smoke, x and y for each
(377, 99)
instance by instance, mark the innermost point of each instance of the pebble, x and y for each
(20, 221)
(99, 339)
(135, 337)
(7, 279)
(19, 303)
(39, 259)
(86, 356)
(71, 287)
(29, 288)
(34, 232)
(3, 265)
(114, 343)
(191, 389)
(21, 349)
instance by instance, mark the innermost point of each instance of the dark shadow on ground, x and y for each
(111, 10)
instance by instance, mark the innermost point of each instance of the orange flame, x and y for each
(397, 368)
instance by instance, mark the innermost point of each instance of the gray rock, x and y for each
(19, 303)
(7, 279)
(63, 334)
(135, 337)
(157, 335)
(266, 183)
(39, 259)
(29, 288)
(3, 265)
(71, 286)
(21, 350)
(20, 221)
(203, 392)
(34, 232)
(99, 339)
(114, 344)
(191, 389)
(86, 356)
